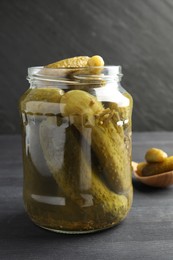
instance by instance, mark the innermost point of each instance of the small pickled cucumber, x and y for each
(154, 155)
(153, 168)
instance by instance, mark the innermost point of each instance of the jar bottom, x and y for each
(76, 232)
(74, 227)
(51, 222)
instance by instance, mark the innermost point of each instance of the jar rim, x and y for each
(110, 72)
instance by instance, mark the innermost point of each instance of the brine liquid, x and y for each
(50, 201)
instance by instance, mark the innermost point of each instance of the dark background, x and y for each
(136, 34)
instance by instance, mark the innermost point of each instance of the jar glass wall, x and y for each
(76, 128)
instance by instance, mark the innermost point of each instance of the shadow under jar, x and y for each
(76, 132)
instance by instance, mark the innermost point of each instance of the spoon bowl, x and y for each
(160, 180)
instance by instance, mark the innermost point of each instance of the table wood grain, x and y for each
(147, 232)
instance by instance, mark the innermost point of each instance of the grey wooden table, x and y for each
(147, 232)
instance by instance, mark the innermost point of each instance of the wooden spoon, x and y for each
(160, 180)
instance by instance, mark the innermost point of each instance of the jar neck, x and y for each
(95, 76)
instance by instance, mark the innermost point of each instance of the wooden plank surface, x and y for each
(147, 232)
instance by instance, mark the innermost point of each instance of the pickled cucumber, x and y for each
(41, 101)
(75, 177)
(83, 109)
(74, 62)
(78, 62)
(124, 114)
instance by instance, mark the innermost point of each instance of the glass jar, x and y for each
(76, 128)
